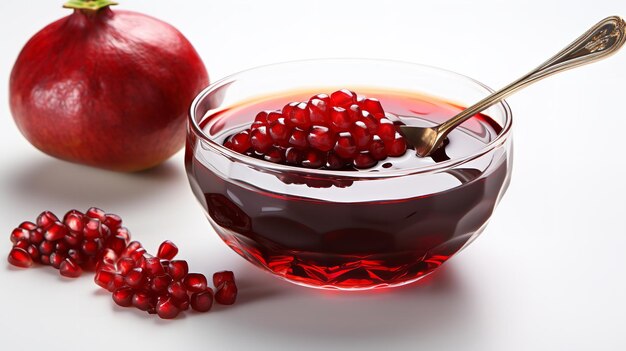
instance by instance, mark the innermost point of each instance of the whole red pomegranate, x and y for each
(106, 88)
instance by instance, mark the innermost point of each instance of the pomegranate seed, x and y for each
(143, 301)
(370, 122)
(56, 259)
(167, 250)
(397, 146)
(343, 98)
(321, 138)
(20, 258)
(273, 116)
(364, 160)
(96, 213)
(226, 293)
(93, 229)
(261, 117)
(118, 282)
(33, 251)
(108, 256)
(123, 233)
(73, 212)
(160, 283)
(182, 304)
(165, 308)
(335, 162)
(61, 247)
(299, 115)
(73, 238)
(340, 119)
(56, 231)
(361, 135)
(135, 278)
(44, 259)
(27, 225)
(377, 149)
(293, 156)
(298, 139)
(74, 222)
(152, 266)
(125, 265)
(313, 159)
(46, 247)
(275, 155)
(123, 296)
(318, 107)
(261, 140)
(91, 247)
(373, 106)
(104, 278)
(112, 221)
(345, 147)
(178, 269)
(241, 142)
(202, 301)
(386, 129)
(46, 219)
(137, 255)
(354, 113)
(131, 248)
(76, 256)
(22, 244)
(19, 234)
(117, 243)
(101, 266)
(36, 236)
(223, 276)
(69, 268)
(256, 125)
(195, 282)
(286, 111)
(177, 290)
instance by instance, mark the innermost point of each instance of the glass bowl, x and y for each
(347, 229)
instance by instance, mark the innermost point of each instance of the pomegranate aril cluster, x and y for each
(71, 245)
(94, 239)
(159, 284)
(340, 131)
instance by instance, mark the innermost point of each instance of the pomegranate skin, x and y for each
(106, 88)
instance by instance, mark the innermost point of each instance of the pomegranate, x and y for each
(106, 88)
(340, 131)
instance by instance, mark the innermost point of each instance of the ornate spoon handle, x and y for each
(602, 40)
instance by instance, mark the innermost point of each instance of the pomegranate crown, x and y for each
(93, 5)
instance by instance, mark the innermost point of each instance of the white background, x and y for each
(549, 273)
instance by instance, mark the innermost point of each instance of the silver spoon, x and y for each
(602, 40)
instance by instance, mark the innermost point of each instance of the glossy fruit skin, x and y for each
(106, 88)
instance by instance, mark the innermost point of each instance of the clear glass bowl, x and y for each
(346, 229)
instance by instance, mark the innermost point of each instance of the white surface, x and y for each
(549, 273)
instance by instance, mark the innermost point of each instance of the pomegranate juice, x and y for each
(312, 231)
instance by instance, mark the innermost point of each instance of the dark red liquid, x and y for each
(362, 244)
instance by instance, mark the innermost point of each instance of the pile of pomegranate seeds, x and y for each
(70, 245)
(336, 132)
(97, 240)
(160, 284)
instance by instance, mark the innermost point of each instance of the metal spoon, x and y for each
(602, 40)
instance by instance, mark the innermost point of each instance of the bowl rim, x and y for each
(267, 166)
